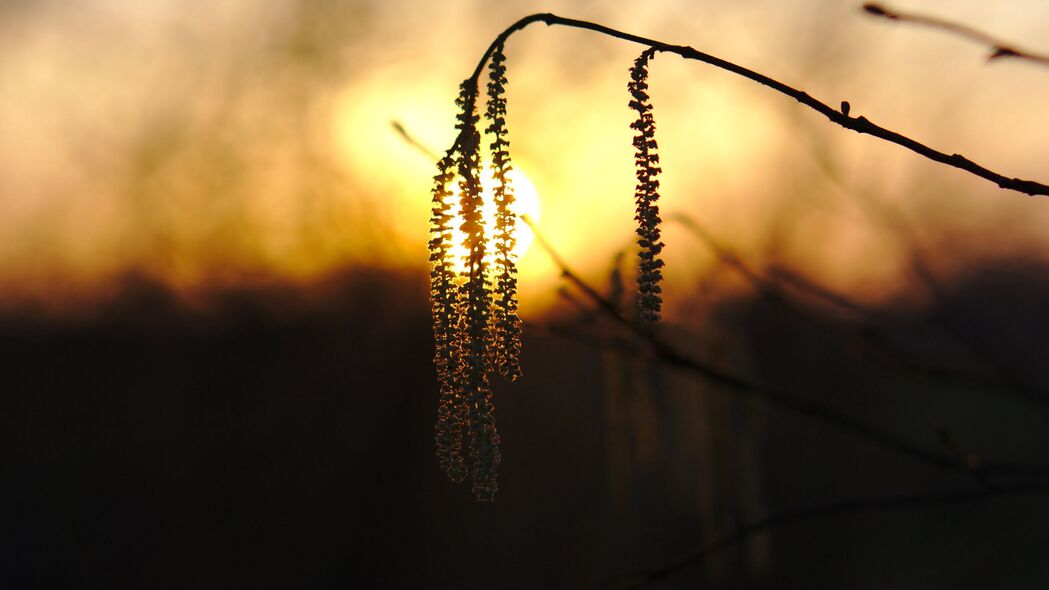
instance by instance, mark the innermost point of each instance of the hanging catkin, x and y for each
(646, 193)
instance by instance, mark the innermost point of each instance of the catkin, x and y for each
(473, 323)
(646, 193)
(451, 406)
(506, 325)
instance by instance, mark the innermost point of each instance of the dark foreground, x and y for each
(280, 440)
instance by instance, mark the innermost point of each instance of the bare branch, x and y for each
(848, 506)
(412, 141)
(873, 344)
(669, 355)
(998, 48)
(1031, 480)
(841, 117)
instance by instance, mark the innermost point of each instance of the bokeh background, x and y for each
(214, 327)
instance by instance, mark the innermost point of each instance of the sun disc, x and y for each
(526, 202)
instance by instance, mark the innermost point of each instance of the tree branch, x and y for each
(415, 143)
(847, 506)
(958, 459)
(999, 48)
(858, 124)
(873, 345)
(669, 355)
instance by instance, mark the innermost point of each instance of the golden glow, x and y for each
(305, 177)
(526, 202)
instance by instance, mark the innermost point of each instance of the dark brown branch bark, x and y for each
(848, 506)
(998, 47)
(858, 124)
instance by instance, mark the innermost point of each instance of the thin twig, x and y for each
(1001, 379)
(669, 355)
(795, 281)
(874, 344)
(957, 460)
(998, 47)
(848, 506)
(765, 286)
(858, 124)
(415, 143)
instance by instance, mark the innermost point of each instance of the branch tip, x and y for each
(878, 10)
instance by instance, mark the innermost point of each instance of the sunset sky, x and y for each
(252, 142)
(221, 364)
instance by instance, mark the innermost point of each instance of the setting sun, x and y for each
(526, 202)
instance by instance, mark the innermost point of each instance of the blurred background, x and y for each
(215, 349)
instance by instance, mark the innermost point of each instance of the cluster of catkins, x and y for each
(476, 327)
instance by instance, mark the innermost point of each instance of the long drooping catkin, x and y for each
(646, 193)
(506, 326)
(451, 408)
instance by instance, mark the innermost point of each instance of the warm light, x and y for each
(526, 202)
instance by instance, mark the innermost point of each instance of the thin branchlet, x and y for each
(646, 193)
(506, 326)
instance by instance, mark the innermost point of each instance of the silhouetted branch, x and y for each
(803, 285)
(1001, 378)
(666, 354)
(848, 506)
(669, 355)
(999, 48)
(858, 124)
(415, 143)
(957, 459)
(871, 341)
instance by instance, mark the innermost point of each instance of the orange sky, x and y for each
(255, 144)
